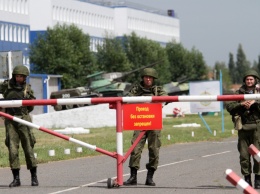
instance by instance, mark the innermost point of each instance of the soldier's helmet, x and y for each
(149, 72)
(251, 73)
(21, 69)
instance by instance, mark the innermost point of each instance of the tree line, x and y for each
(65, 50)
(233, 73)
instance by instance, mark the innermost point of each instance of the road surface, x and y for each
(184, 168)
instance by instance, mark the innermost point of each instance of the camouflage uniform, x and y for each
(152, 136)
(16, 132)
(250, 132)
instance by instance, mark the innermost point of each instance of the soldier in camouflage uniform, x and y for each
(17, 89)
(249, 110)
(146, 88)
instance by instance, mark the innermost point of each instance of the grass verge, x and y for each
(105, 138)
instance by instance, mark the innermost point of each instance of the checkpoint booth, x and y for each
(43, 85)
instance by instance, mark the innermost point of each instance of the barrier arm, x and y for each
(139, 99)
(254, 152)
(239, 183)
(119, 155)
(117, 103)
(92, 147)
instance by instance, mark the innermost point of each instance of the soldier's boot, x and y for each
(149, 178)
(133, 177)
(16, 182)
(248, 179)
(257, 181)
(34, 176)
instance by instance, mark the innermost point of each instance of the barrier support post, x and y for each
(134, 145)
(119, 137)
(205, 123)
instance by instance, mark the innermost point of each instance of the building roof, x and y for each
(118, 3)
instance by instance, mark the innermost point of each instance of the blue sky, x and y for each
(216, 27)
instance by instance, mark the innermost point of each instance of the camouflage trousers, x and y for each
(154, 144)
(16, 133)
(245, 139)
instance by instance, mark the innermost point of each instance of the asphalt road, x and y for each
(184, 168)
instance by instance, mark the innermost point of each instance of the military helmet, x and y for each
(149, 72)
(21, 69)
(251, 73)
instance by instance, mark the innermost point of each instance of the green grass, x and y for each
(105, 138)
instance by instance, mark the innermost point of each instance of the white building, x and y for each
(21, 20)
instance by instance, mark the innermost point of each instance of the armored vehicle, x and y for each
(108, 84)
(176, 88)
(79, 92)
(100, 84)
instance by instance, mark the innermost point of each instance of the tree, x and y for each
(258, 65)
(111, 56)
(184, 63)
(199, 66)
(232, 69)
(63, 50)
(226, 78)
(242, 64)
(141, 52)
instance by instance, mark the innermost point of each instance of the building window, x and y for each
(26, 9)
(70, 15)
(2, 5)
(54, 13)
(19, 34)
(10, 33)
(14, 5)
(14, 33)
(6, 32)
(10, 6)
(5, 5)
(22, 6)
(23, 59)
(27, 35)
(2, 31)
(23, 35)
(18, 6)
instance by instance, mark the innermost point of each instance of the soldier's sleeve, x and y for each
(235, 107)
(133, 90)
(30, 93)
(3, 86)
(30, 96)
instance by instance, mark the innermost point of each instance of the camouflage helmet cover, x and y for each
(149, 72)
(21, 69)
(251, 73)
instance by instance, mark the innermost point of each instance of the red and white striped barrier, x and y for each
(92, 147)
(254, 152)
(239, 183)
(137, 99)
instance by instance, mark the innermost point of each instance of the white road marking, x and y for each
(93, 183)
(215, 154)
(225, 142)
(175, 163)
(74, 188)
